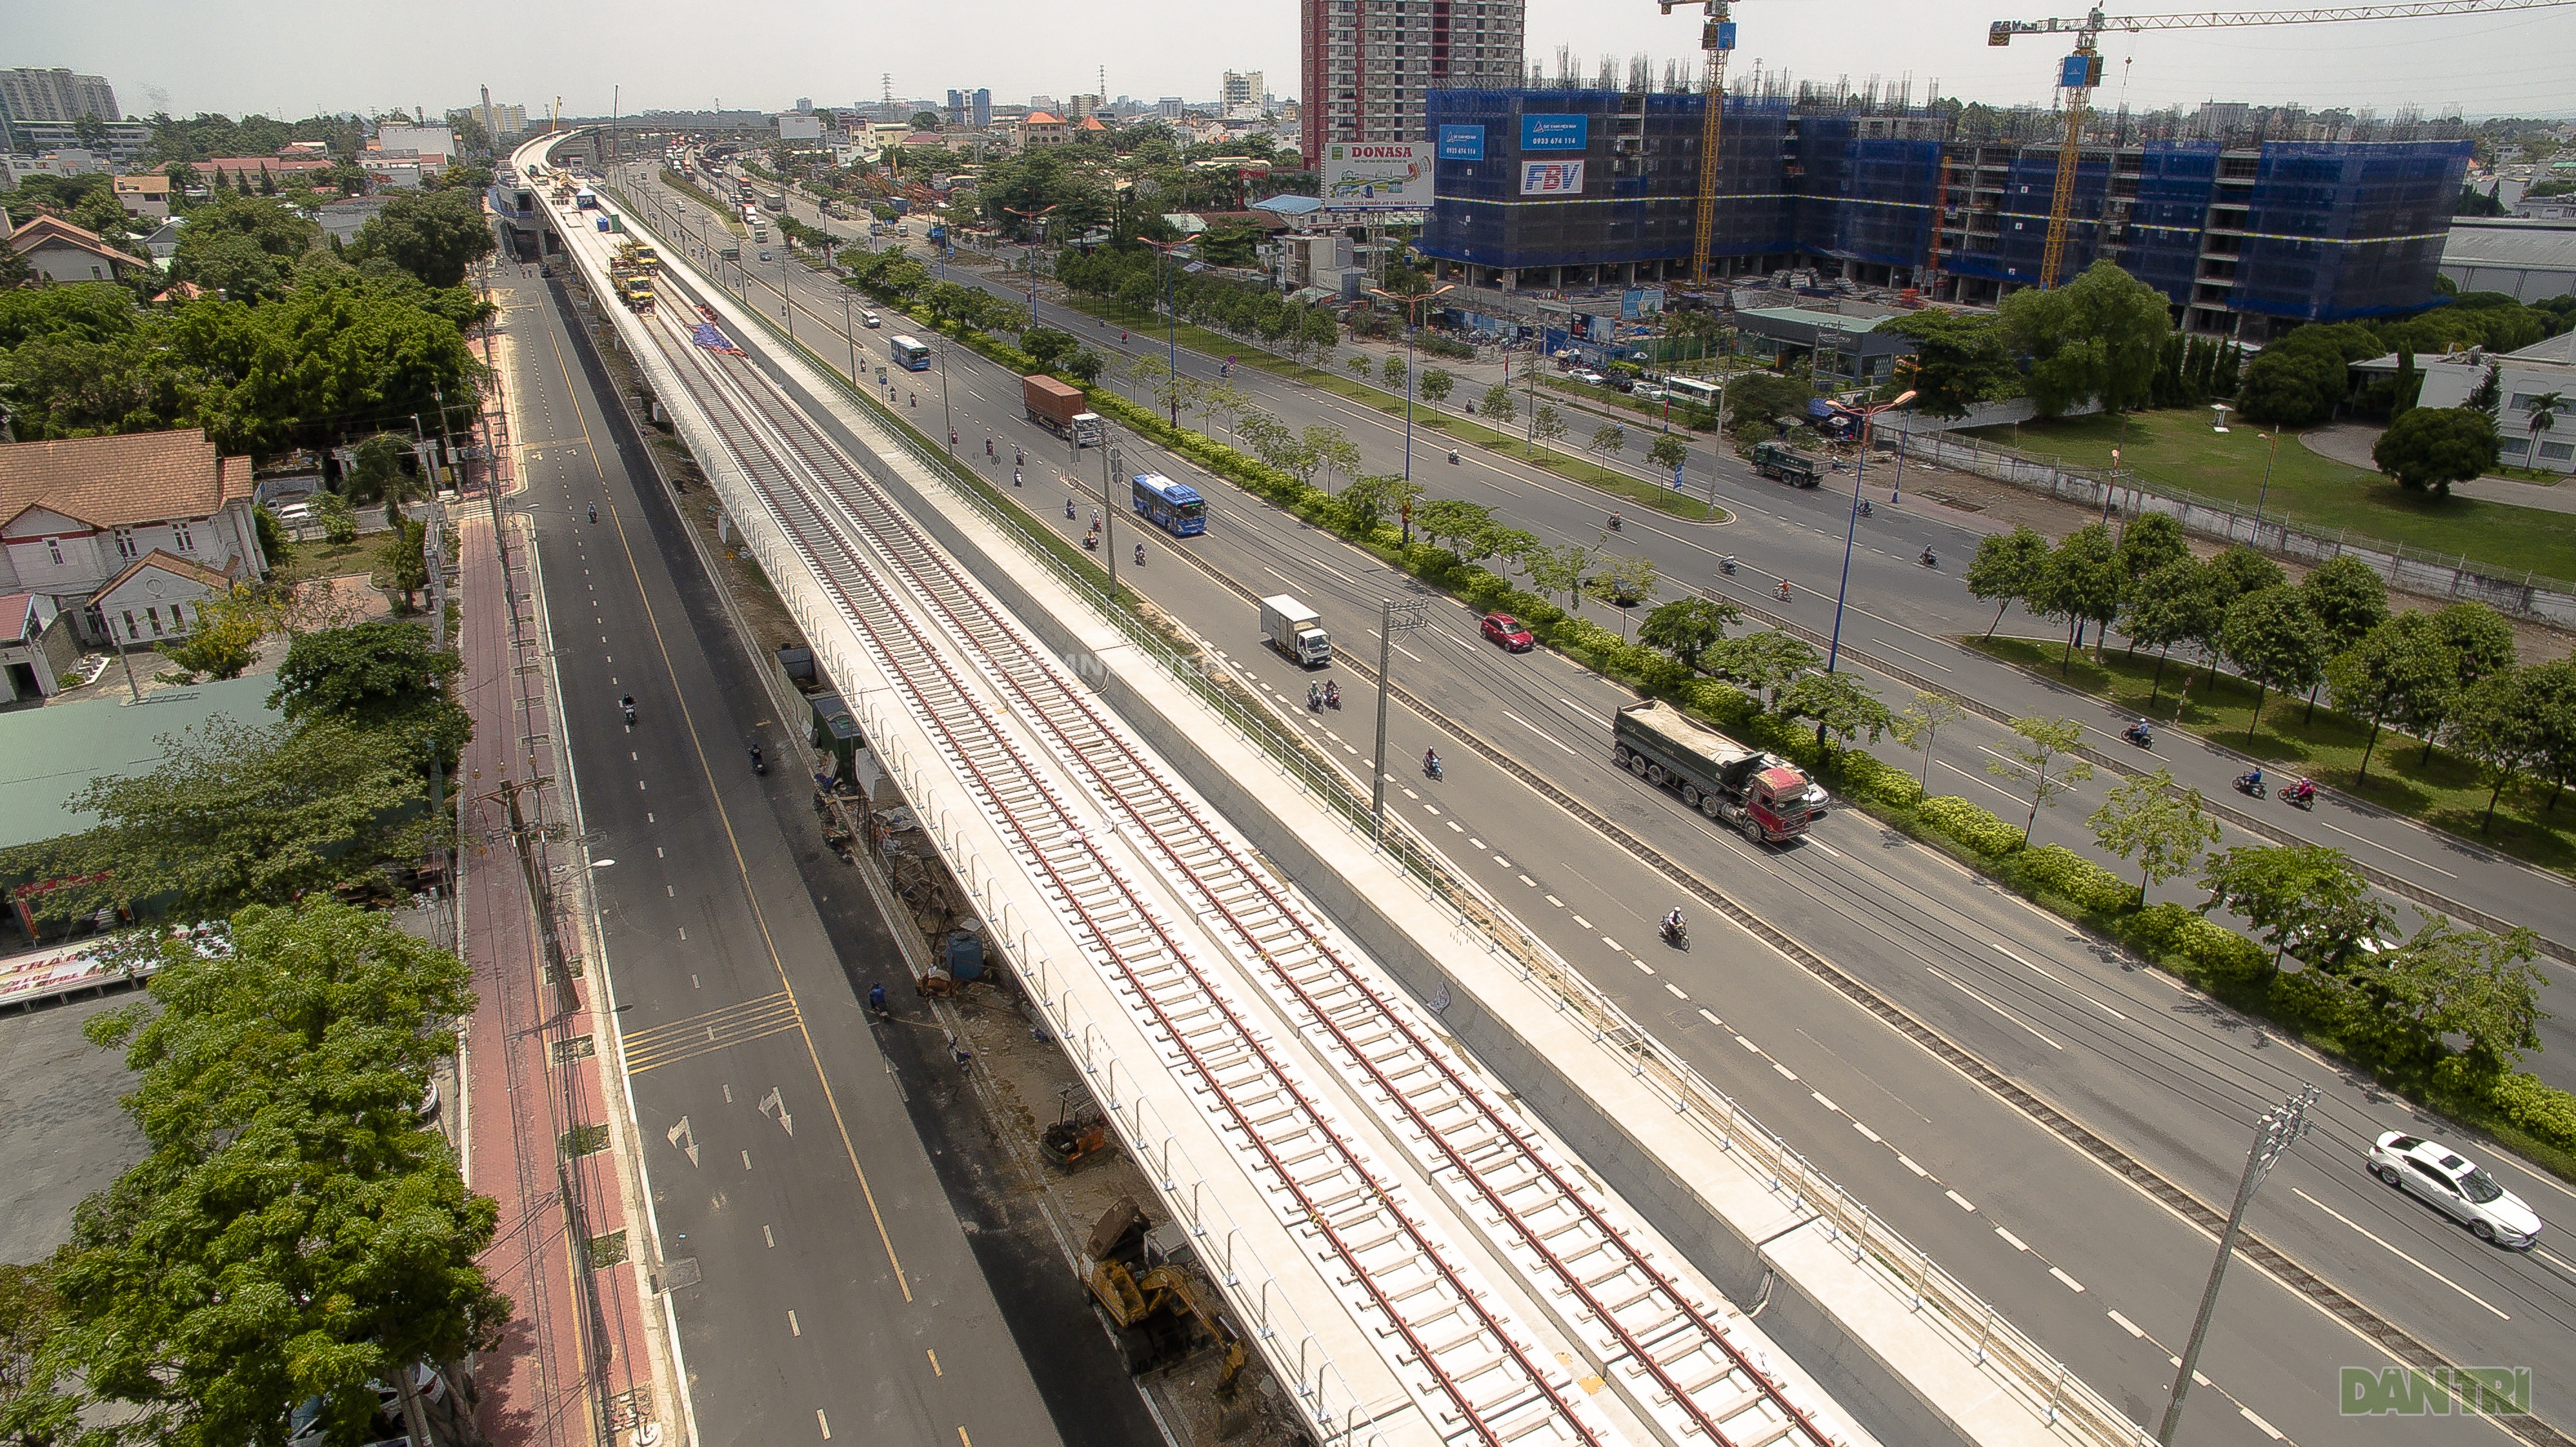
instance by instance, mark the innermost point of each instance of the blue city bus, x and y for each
(908, 354)
(1175, 508)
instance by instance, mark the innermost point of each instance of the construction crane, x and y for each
(1716, 38)
(2080, 72)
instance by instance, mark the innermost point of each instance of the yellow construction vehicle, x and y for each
(1158, 1316)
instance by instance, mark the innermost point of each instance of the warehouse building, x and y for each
(1597, 188)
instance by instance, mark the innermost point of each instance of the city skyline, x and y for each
(1163, 47)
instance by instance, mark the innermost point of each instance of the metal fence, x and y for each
(2449, 577)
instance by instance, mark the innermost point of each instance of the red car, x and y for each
(1506, 630)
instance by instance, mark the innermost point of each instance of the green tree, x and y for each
(1608, 439)
(2096, 338)
(2401, 672)
(402, 561)
(382, 677)
(2273, 640)
(1756, 401)
(1547, 425)
(2430, 448)
(2168, 606)
(2348, 598)
(276, 228)
(226, 639)
(1452, 523)
(293, 1230)
(235, 815)
(1687, 628)
(1764, 662)
(1434, 384)
(2304, 894)
(1669, 454)
(2449, 982)
(2166, 832)
(1084, 366)
(1840, 705)
(235, 268)
(2007, 568)
(2082, 583)
(1921, 723)
(2551, 692)
(2151, 541)
(1392, 372)
(1047, 346)
(1498, 404)
(2501, 725)
(2539, 415)
(925, 120)
(1960, 359)
(1556, 569)
(2041, 764)
(1623, 581)
(1326, 447)
(1369, 501)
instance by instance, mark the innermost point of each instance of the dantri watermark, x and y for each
(2436, 1392)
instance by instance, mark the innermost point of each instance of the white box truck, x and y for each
(1296, 630)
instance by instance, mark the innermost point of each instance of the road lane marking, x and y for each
(1982, 779)
(1532, 883)
(792, 1328)
(2400, 1255)
(1534, 728)
(1641, 964)
(1960, 1201)
(2266, 1428)
(1481, 844)
(1827, 1104)
(768, 1240)
(1552, 899)
(2375, 844)
(1785, 1072)
(1580, 921)
(1712, 1019)
(824, 1422)
(2124, 1324)
(2011, 1240)
(2058, 980)
(934, 1363)
(1614, 944)
(1991, 1005)
(1907, 1161)
(2069, 1282)
(1871, 1135)
(1747, 1044)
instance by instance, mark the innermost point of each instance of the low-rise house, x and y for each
(62, 254)
(144, 193)
(78, 516)
(37, 649)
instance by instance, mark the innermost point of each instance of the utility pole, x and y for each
(526, 839)
(1407, 616)
(2273, 1136)
(1111, 464)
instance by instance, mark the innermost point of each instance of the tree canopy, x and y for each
(2098, 338)
(2427, 449)
(1960, 359)
(434, 235)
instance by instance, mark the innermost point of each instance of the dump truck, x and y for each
(1296, 630)
(1148, 1299)
(1061, 409)
(1762, 795)
(1788, 464)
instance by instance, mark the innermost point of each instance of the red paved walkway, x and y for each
(576, 1346)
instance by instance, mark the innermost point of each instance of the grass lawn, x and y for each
(2445, 792)
(2175, 449)
(1444, 426)
(318, 559)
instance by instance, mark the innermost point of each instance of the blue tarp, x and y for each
(708, 337)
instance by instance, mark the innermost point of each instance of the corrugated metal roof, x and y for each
(2540, 246)
(49, 754)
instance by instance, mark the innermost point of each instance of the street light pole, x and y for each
(2273, 1136)
(1412, 617)
(2273, 437)
(1412, 323)
(1851, 534)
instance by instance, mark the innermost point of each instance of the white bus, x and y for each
(1696, 391)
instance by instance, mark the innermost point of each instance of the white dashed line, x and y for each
(2124, 1324)
(1747, 1044)
(1827, 1104)
(1962, 1202)
(1614, 944)
(1532, 883)
(1785, 1072)
(1552, 899)
(1712, 1019)
(1908, 1162)
(1641, 964)
(1676, 990)
(2266, 1428)
(1452, 823)
(2069, 1282)
(1479, 843)
(1498, 859)
(1871, 1135)
(2011, 1240)
(1581, 921)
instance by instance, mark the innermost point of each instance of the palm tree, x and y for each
(2544, 414)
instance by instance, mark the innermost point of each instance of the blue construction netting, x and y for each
(1865, 198)
(2170, 214)
(2021, 243)
(2338, 230)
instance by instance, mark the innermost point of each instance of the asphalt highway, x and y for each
(826, 1283)
(2099, 1269)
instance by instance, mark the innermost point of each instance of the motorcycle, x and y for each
(1676, 935)
(2139, 734)
(594, 512)
(1928, 560)
(2249, 783)
(1091, 540)
(1140, 555)
(1431, 767)
(877, 1004)
(1726, 565)
(2301, 795)
(1314, 698)
(1332, 695)
(1865, 508)
(628, 703)
(1015, 478)
(1068, 509)
(1453, 457)
(1614, 522)
(1784, 590)
(759, 765)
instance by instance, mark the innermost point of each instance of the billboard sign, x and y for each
(1462, 143)
(1551, 178)
(1377, 176)
(1555, 132)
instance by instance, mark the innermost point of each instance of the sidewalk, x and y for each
(576, 1348)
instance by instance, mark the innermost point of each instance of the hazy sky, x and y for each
(294, 57)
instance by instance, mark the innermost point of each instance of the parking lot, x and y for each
(61, 1130)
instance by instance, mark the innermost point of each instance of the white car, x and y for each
(2454, 1183)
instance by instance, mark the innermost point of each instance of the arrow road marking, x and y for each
(682, 1138)
(775, 1104)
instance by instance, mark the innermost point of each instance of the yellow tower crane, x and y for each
(1716, 38)
(2081, 71)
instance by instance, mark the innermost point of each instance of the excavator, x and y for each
(1158, 1315)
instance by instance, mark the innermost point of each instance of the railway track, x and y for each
(1010, 722)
